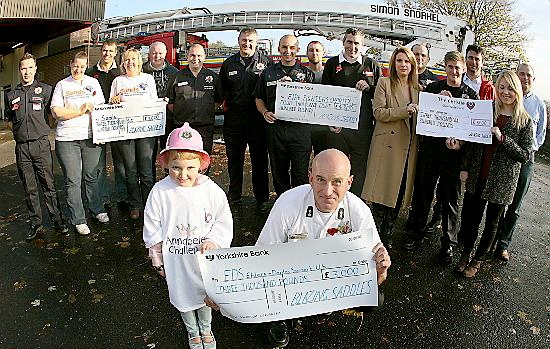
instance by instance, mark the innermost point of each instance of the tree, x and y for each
(217, 44)
(496, 27)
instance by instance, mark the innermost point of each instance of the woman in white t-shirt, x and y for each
(137, 154)
(72, 103)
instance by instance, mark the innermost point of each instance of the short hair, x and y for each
(109, 42)
(526, 65)
(182, 155)
(315, 42)
(248, 31)
(80, 55)
(476, 48)
(289, 36)
(126, 54)
(158, 43)
(354, 32)
(453, 56)
(426, 45)
(196, 44)
(26, 56)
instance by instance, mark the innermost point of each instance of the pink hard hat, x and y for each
(185, 138)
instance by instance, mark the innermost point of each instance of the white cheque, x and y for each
(464, 119)
(318, 104)
(290, 280)
(128, 120)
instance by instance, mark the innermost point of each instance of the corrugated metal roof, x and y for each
(78, 10)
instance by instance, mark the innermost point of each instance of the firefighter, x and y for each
(242, 123)
(26, 110)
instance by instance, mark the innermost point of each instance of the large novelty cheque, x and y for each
(464, 119)
(318, 104)
(269, 283)
(128, 120)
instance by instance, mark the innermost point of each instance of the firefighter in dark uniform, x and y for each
(25, 109)
(194, 94)
(242, 123)
(352, 69)
(288, 143)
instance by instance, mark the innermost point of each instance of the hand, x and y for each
(452, 143)
(362, 85)
(286, 79)
(335, 129)
(446, 93)
(383, 262)
(209, 302)
(496, 131)
(114, 100)
(269, 117)
(208, 245)
(412, 109)
(463, 176)
(86, 108)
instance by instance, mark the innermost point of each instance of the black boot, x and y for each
(435, 221)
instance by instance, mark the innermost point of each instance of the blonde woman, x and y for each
(491, 172)
(392, 159)
(137, 154)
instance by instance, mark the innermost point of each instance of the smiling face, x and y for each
(184, 172)
(353, 46)
(27, 68)
(474, 63)
(78, 68)
(132, 63)
(330, 179)
(454, 70)
(315, 52)
(157, 54)
(288, 48)
(506, 92)
(108, 53)
(247, 44)
(526, 76)
(195, 57)
(402, 65)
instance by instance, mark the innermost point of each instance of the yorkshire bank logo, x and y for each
(232, 255)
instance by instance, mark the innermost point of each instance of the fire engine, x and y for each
(387, 27)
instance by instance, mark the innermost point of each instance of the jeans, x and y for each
(80, 160)
(509, 219)
(198, 321)
(121, 193)
(137, 155)
(102, 176)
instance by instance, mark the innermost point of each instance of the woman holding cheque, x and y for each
(491, 171)
(72, 103)
(137, 154)
(392, 159)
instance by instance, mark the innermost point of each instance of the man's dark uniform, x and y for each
(354, 143)
(243, 124)
(194, 101)
(288, 143)
(426, 78)
(435, 161)
(26, 107)
(161, 76)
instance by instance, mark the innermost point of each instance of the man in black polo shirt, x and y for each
(26, 109)
(288, 143)
(353, 69)
(440, 158)
(194, 94)
(422, 55)
(242, 123)
(105, 71)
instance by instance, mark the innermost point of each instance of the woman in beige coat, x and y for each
(392, 159)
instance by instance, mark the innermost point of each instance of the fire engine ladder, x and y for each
(328, 24)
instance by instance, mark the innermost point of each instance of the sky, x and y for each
(534, 12)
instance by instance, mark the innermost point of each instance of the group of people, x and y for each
(383, 162)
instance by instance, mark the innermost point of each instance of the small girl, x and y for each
(186, 213)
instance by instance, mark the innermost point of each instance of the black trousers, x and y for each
(240, 130)
(289, 146)
(355, 144)
(433, 164)
(472, 214)
(34, 162)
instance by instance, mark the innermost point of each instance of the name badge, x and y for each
(36, 106)
(271, 83)
(231, 73)
(16, 100)
(36, 99)
(183, 83)
(208, 87)
(369, 74)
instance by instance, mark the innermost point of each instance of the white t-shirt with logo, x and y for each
(183, 218)
(135, 88)
(70, 93)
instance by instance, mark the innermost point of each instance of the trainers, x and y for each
(82, 229)
(102, 217)
(33, 231)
